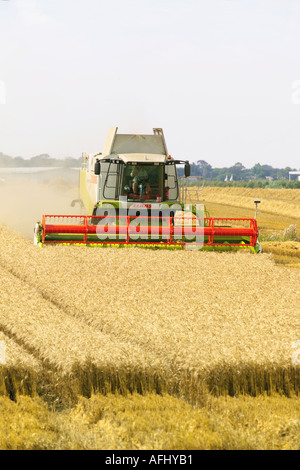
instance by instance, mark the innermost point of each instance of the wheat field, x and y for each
(151, 422)
(283, 202)
(197, 334)
(145, 310)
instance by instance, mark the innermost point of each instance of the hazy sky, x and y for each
(221, 77)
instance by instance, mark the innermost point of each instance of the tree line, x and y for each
(43, 160)
(239, 172)
(236, 175)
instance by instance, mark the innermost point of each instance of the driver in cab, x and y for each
(140, 176)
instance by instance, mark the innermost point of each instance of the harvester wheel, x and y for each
(258, 248)
(37, 237)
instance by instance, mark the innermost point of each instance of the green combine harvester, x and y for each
(132, 195)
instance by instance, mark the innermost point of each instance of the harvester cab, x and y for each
(132, 194)
(135, 167)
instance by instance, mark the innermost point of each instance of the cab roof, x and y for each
(140, 144)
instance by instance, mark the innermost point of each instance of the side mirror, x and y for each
(187, 170)
(97, 168)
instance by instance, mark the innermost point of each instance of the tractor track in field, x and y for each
(20, 342)
(54, 279)
(65, 311)
(39, 291)
(64, 308)
(52, 301)
(46, 382)
(45, 296)
(57, 388)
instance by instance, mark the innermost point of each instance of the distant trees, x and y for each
(238, 172)
(231, 176)
(237, 175)
(43, 160)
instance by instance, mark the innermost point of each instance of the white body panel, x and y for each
(127, 148)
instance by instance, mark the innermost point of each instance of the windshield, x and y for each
(142, 182)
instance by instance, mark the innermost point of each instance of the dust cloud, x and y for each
(23, 202)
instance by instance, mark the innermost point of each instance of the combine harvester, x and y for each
(133, 196)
